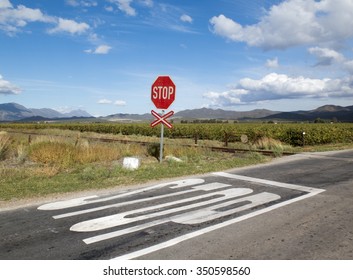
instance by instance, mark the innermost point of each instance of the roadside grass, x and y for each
(65, 161)
(38, 180)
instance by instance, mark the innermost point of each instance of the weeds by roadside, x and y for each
(43, 165)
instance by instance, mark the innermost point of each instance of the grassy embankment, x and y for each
(37, 166)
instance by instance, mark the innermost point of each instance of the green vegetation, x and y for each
(287, 133)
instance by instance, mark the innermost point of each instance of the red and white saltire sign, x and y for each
(162, 119)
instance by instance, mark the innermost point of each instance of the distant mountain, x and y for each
(206, 113)
(16, 112)
(46, 113)
(128, 117)
(330, 108)
(13, 112)
(77, 113)
(327, 112)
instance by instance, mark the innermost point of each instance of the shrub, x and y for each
(153, 150)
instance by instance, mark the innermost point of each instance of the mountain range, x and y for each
(15, 112)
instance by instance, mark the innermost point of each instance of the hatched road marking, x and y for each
(201, 206)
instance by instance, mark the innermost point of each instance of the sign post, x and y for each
(162, 96)
(161, 142)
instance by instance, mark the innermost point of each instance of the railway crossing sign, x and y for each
(163, 92)
(162, 119)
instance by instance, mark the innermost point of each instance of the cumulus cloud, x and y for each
(279, 86)
(70, 26)
(7, 88)
(186, 18)
(102, 49)
(13, 19)
(291, 23)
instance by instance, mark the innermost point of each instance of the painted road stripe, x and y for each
(267, 182)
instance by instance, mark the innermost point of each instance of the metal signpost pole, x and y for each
(161, 144)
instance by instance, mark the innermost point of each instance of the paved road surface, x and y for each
(299, 207)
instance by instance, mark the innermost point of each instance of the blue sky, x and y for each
(102, 56)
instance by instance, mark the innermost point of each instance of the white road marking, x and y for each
(194, 217)
(206, 187)
(90, 199)
(267, 182)
(211, 213)
(218, 200)
(177, 240)
(194, 234)
(143, 213)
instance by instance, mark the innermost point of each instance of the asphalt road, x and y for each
(298, 207)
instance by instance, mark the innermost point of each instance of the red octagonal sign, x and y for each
(163, 92)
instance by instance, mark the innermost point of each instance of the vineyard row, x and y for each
(292, 134)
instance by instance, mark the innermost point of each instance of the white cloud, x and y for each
(292, 23)
(70, 26)
(7, 88)
(329, 57)
(186, 18)
(105, 101)
(279, 86)
(109, 8)
(348, 66)
(5, 4)
(272, 63)
(76, 3)
(73, 3)
(147, 3)
(102, 49)
(13, 19)
(326, 56)
(120, 103)
(125, 6)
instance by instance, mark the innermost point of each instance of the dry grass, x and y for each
(42, 165)
(66, 154)
(5, 142)
(270, 144)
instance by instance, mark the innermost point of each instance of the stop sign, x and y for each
(163, 92)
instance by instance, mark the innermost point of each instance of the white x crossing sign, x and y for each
(162, 119)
